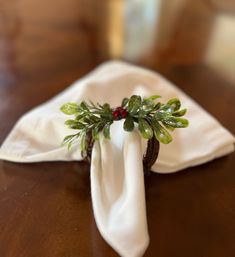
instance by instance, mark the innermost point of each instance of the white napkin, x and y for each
(117, 182)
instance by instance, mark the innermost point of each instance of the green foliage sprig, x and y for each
(152, 118)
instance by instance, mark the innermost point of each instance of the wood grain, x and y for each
(45, 208)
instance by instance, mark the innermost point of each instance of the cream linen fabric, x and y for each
(117, 182)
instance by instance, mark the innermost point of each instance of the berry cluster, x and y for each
(119, 113)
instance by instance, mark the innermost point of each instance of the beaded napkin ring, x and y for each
(153, 119)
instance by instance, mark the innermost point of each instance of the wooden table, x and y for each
(45, 208)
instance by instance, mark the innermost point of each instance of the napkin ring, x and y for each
(153, 119)
(149, 157)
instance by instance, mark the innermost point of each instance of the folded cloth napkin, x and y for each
(117, 182)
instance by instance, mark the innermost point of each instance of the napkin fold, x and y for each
(118, 193)
(117, 182)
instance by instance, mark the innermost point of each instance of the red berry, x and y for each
(119, 109)
(123, 113)
(115, 114)
(119, 113)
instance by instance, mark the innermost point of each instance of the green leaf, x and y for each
(167, 126)
(157, 106)
(161, 115)
(128, 124)
(69, 122)
(147, 106)
(180, 113)
(87, 120)
(106, 131)
(153, 97)
(77, 126)
(106, 107)
(174, 103)
(167, 108)
(176, 122)
(125, 101)
(70, 144)
(93, 118)
(95, 133)
(161, 134)
(73, 124)
(83, 144)
(80, 117)
(101, 106)
(68, 138)
(106, 112)
(84, 106)
(92, 104)
(69, 108)
(145, 129)
(164, 111)
(134, 104)
(107, 116)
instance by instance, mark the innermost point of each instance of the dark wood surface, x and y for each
(45, 208)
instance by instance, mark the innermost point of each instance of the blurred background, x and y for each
(46, 44)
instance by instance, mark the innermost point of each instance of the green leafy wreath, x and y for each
(152, 118)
